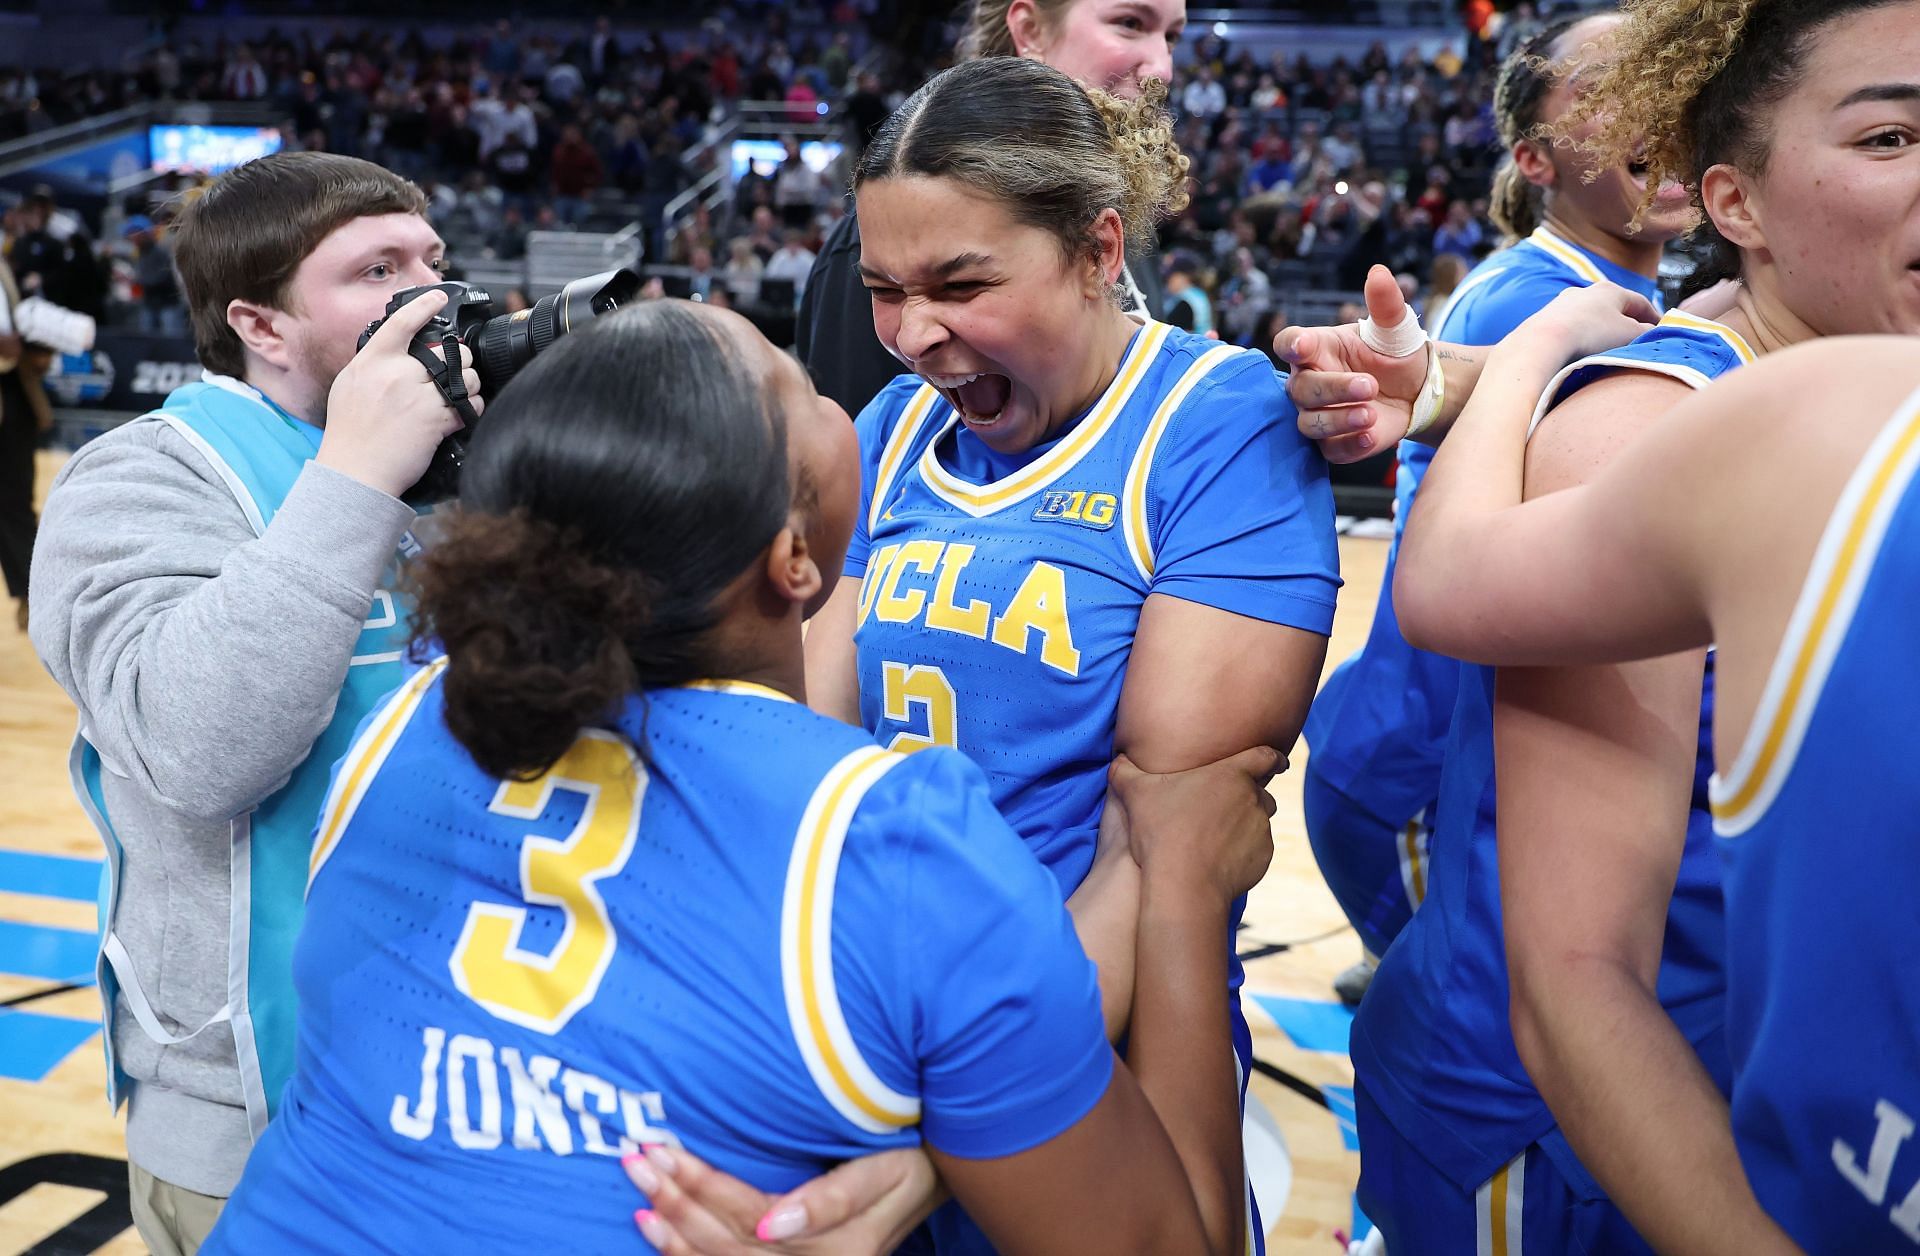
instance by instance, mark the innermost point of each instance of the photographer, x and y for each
(212, 588)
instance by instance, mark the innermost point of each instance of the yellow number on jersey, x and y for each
(924, 686)
(542, 992)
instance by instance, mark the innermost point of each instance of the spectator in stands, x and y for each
(160, 308)
(35, 250)
(762, 236)
(511, 169)
(602, 60)
(702, 279)
(245, 78)
(794, 261)
(1342, 148)
(1243, 297)
(1187, 305)
(576, 172)
(796, 187)
(1448, 270)
(866, 110)
(1460, 233)
(743, 269)
(1204, 97)
(24, 414)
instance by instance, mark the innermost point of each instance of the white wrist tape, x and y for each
(1404, 339)
(1433, 395)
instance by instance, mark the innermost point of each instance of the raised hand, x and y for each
(1354, 400)
(385, 417)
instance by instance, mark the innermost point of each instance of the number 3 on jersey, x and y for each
(542, 992)
(924, 686)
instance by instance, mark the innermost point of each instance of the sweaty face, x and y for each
(344, 284)
(1115, 44)
(1610, 200)
(990, 311)
(1839, 203)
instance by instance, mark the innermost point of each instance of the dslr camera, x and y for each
(501, 346)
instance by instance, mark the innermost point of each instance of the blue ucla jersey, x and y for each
(1000, 595)
(1432, 1040)
(1377, 732)
(1378, 728)
(1816, 821)
(727, 924)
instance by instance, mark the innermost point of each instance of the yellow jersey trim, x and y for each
(740, 688)
(984, 499)
(362, 762)
(1693, 322)
(894, 454)
(806, 951)
(1579, 263)
(1134, 495)
(1835, 581)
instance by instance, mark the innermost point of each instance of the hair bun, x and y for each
(545, 654)
(1152, 166)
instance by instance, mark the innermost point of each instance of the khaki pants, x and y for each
(172, 1220)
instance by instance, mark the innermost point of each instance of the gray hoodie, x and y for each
(204, 661)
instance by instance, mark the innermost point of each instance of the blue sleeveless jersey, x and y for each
(1378, 729)
(1432, 1040)
(1816, 821)
(1000, 596)
(727, 923)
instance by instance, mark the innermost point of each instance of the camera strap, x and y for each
(447, 377)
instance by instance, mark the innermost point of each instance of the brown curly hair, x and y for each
(1054, 153)
(1691, 84)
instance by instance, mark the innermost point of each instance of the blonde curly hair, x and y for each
(1690, 85)
(1055, 154)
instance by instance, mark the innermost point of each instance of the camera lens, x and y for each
(502, 346)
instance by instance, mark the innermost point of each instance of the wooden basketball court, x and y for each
(62, 1176)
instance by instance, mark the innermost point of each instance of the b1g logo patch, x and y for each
(1089, 510)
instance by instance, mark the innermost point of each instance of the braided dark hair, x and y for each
(1526, 77)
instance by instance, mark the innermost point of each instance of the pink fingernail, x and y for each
(650, 1227)
(641, 1172)
(781, 1224)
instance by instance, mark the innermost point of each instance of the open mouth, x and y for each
(1670, 192)
(979, 398)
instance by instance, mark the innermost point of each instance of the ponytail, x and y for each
(610, 498)
(544, 652)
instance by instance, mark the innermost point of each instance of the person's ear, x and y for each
(791, 568)
(261, 331)
(1535, 163)
(1028, 29)
(1731, 201)
(1109, 253)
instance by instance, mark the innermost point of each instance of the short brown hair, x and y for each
(244, 235)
